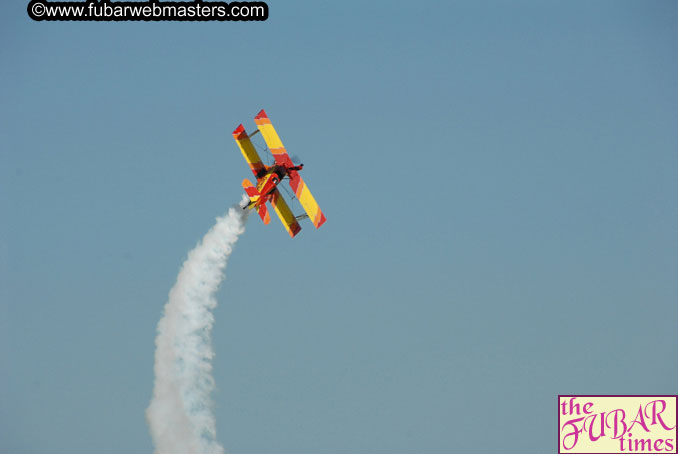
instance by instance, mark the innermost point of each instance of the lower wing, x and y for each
(284, 213)
(306, 199)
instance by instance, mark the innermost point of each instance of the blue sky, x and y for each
(499, 181)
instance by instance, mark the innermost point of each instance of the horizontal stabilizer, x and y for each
(254, 196)
(249, 188)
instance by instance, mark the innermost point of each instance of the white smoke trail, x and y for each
(180, 414)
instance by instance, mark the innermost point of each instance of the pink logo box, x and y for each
(617, 424)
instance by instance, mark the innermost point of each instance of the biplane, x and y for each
(270, 177)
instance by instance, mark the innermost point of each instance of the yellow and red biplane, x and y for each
(269, 177)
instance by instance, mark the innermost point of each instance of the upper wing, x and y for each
(281, 157)
(272, 140)
(284, 213)
(248, 151)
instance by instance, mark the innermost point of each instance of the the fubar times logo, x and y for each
(617, 424)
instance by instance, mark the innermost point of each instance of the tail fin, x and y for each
(251, 192)
(254, 196)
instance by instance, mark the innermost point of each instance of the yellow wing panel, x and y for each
(248, 151)
(285, 214)
(272, 139)
(307, 201)
(270, 136)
